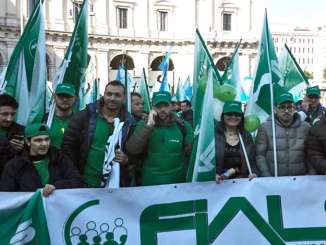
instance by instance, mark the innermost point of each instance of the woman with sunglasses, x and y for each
(230, 153)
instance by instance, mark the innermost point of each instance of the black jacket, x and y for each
(6, 151)
(220, 148)
(21, 175)
(316, 146)
(78, 137)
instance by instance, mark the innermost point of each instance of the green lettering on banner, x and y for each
(275, 217)
(156, 218)
(232, 207)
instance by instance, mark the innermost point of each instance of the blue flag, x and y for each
(164, 66)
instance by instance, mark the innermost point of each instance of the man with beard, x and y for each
(291, 137)
(165, 141)
(11, 133)
(186, 112)
(64, 97)
(314, 110)
(88, 132)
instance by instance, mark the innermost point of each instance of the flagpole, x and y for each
(245, 154)
(272, 102)
(145, 79)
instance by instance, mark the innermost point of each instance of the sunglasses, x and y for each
(233, 114)
(313, 96)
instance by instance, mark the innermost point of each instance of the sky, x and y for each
(303, 13)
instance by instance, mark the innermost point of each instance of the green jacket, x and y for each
(165, 150)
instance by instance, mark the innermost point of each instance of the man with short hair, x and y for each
(165, 140)
(291, 136)
(11, 133)
(88, 132)
(137, 106)
(315, 110)
(40, 166)
(65, 97)
(186, 112)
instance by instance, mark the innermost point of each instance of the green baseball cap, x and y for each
(284, 97)
(313, 91)
(36, 129)
(161, 97)
(65, 88)
(232, 106)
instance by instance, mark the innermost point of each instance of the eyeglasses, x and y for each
(313, 97)
(285, 107)
(233, 114)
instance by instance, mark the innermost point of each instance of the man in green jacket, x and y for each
(164, 141)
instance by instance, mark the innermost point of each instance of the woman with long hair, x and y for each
(234, 145)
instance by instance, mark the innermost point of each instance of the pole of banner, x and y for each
(245, 154)
(21, 17)
(272, 101)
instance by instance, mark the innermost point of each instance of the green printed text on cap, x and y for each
(232, 106)
(161, 97)
(65, 88)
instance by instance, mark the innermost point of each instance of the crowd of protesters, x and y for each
(154, 147)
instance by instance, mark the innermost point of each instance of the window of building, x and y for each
(312, 61)
(299, 40)
(299, 61)
(276, 39)
(123, 18)
(308, 61)
(31, 6)
(163, 20)
(312, 40)
(294, 49)
(302, 60)
(299, 50)
(302, 40)
(312, 50)
(227, 22)
(294, 40)
(302, 50)
(76, 9)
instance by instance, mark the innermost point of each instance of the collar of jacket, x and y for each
(52, 153)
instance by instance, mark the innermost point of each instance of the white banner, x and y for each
(283, 210)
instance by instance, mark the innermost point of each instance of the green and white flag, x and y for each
(259, 106)
(143, 90)
(202, 166)
(202, 64)
(294, 79)
(231, 74)
(25, 77)
(73, 67)
(23, 221)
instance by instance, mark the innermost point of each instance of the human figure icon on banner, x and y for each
(120, 231)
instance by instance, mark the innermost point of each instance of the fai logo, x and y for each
(112, 232)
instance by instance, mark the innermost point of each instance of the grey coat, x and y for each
(290, 148)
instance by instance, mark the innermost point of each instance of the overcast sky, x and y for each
(297, 12)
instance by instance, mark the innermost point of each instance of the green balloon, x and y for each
(225, 92)
(251, 123)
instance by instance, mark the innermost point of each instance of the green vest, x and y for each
(165, 161)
